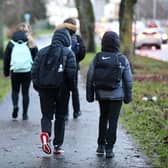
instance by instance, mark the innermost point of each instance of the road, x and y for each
(161, 54)
(20, 145)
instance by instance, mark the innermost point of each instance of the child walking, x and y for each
(109, 78)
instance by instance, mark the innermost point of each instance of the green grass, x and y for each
(4, 83)
(147, 121)
(88, 58)
(85, 63)
(145, 65)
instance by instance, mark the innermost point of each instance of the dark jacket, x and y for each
(110, 47)
(79, 49)
(61, 39)
(19, 35)
(77, 45)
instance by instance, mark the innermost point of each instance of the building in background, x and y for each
(106, 11)
(98, 6)
(57, 11)
(111, 10)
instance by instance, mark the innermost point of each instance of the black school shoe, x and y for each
(77, 114)
(109, 153)
(66, 117)
(100, 150)
(15, 113)
(25, 116)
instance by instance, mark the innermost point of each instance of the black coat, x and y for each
(61, 39)
(79, 49)
(19, 35)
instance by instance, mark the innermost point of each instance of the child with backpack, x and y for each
(53, 75)
(18, 61)
(79, 51)
(109, 79)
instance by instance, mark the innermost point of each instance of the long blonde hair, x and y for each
(27, 29)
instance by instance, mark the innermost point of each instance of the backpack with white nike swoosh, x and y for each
(108, 72)
(21, 59)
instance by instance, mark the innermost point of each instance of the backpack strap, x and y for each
(18, 42)
(13, 42)
(82, 49)
(117, 55)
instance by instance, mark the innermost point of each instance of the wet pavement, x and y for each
(20, 145)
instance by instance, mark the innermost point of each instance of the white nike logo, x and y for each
(104, 58)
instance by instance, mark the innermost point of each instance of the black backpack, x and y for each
(108, 72)
(51, 73)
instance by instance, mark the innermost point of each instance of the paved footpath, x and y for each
(20, 145)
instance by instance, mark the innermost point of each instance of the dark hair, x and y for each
(70, 20)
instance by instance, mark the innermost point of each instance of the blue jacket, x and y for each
(110, 46)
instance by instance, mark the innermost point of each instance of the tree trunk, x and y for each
(87, 22)
(126, 14)
(1, 30)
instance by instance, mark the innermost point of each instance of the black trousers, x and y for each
(54, 102)
(20, 81)
(75, 97)
(109, 114)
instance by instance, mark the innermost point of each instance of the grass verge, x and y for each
(147, 121)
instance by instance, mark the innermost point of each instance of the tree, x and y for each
(14, 11)
(87, 22)
(126, 15)
(1, 28)
(145, 9)
(17, 8)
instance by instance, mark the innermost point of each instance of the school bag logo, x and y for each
(51, 73)
(108, 72)
(21, 59)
